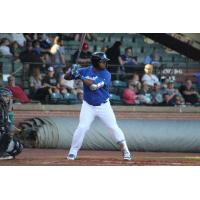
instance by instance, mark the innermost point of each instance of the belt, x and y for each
(99, 104)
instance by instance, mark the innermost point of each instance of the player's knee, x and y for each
(83, 127)
(113, 127)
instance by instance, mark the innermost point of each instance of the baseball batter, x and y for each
(96, 80)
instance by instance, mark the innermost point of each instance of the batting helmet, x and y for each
(97, 57)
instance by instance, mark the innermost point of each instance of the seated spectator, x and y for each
(18, 93)
(172, 96)
(152, 59)
(35, 82)
(127, 58)
(15, 50)
(4, 48)
(136, 82)
(145, 96)
(85, 55)
(19, 38)
(67, 84)
(157, 95)
(129, 95)
(49, 85)
(30, 59)
(150, 78)
(115, 63)
(190, 95)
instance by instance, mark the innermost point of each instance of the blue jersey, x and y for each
(100, 95)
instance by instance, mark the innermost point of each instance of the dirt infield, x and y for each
(56, 157)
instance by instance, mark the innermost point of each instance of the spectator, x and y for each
(35, 82)
(116, 62)
(136, 82)
(145, 96)
(19, 38)
(157, 95)
(67, 84)
(58, 55)
(150, 78)
(113, 54)
(15, 50)
(129, 95)
(85, 55)
(4, 48)
(190, 95)
(172, 96)
(30, 59)
(49, 85)
(18, 93)
(152, 59)
(127, 58)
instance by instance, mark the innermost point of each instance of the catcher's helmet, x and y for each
(97, 57)
(5, 92)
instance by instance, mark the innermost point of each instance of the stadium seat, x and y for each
(118, 87)
(69, 99)
(55, 98)
(115, 99)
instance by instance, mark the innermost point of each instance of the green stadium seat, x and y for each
(115, 99)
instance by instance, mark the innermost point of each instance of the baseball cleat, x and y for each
(126, 155)
(71, 157)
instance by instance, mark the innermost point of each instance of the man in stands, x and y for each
(127, 58)
(85, 55)
(17, 91)
(172, 96)
(190, 95)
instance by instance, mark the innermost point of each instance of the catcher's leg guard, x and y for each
(15, 147)
(4, 142)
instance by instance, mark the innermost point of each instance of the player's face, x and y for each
(6, 99)
(102, 64)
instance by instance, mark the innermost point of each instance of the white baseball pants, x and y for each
(87, 115)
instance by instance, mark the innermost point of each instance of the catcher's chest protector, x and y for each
(4, 135)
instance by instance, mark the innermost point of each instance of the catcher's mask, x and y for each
(5, 96)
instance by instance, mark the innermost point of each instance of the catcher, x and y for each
(9, 146)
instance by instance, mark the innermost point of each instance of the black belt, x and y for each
(99, 104)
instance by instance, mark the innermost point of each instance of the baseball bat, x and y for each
(80, 47)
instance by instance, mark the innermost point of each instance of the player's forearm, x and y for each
(93, 86)
(87, 82)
